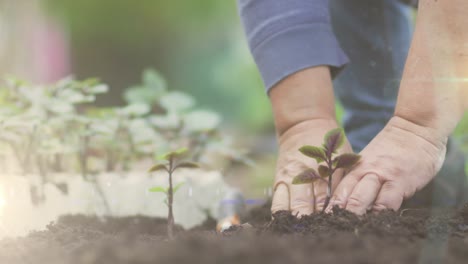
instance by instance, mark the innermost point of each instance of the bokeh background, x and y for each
(198, 46)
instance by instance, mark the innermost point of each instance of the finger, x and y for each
(280, 198)
(364, 194)
(343, 191)
(302, 199)
(390, 197)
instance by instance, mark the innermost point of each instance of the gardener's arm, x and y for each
(296, 52)
(287, 36)
(433, 97)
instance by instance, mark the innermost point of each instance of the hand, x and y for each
(305, 198)
(401, 160)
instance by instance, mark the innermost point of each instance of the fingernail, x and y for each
(378, 207)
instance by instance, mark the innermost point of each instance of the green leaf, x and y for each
(99, 89)
(170, 121)
(333, 140)
(307, 176)
(201, 120)
(313, 152)
(324, 171)
(158, 189)
(174, 154)
(188, 165)
(176, 102)
(59, 106)
(136, 109)
(139, 94)
(158, 167)
(177, 187)
(149, 92)
(154, 81)
(347, 160)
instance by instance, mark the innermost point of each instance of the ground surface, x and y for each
(411, 236)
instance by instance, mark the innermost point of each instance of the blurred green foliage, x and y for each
(197, 45)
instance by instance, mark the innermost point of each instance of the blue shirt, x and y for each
(286, 36)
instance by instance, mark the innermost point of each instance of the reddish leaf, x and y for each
(346, 161)
(157, 167)
(324, 171)
(313, 152)
(307, 176)
(188, 165)
(334, 139)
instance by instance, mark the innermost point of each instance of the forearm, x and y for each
(434, 87)
(297, 53)
(288, 36)
(301, 97)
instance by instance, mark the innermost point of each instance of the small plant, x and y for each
(55, 128)
(333, 141)
(178, 120)
(170, 165)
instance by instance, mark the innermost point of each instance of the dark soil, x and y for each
(410, 236)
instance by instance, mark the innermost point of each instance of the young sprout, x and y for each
(333, 141)
(171, 164)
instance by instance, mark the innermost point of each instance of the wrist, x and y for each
(438, 113)
(434, 136)
(303, 97)
(301, 121)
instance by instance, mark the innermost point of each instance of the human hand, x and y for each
(302, 199)
(401, 160)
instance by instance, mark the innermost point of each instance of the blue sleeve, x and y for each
(286, 36)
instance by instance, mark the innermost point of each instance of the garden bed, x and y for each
(409, 236)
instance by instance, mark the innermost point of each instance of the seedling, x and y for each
(55, 128)
(333, 141)
(170, 165)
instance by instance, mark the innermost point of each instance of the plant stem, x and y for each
(200, 146)
(43, 177)
(57, 163)
(29, 150)
(17, 154)
(102, 195)
(329, 185)
(109, 160)
(170, 217)
(110, 156)
(83, 156)
(24, 161)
